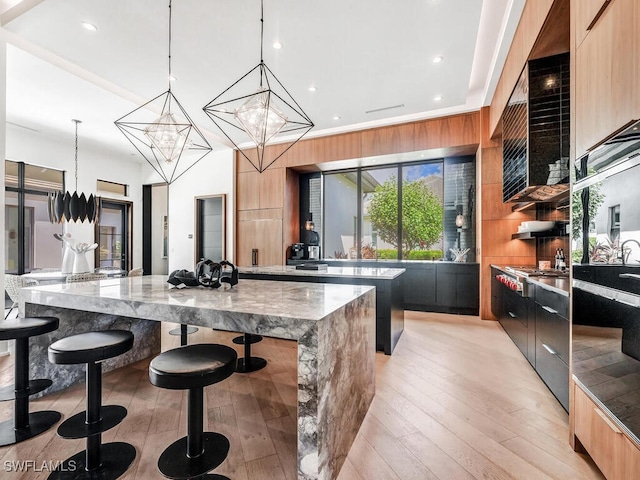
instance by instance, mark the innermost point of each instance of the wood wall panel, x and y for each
(291, 224)
(264, 214)
(456, 130)
(385, 140)
(533, 16)
(247, 189)
(337, 147)
(272, 188)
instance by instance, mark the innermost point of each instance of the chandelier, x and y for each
(244, 113)
(164, 134)
(67, 207)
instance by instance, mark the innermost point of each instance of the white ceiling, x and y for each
(361, 55)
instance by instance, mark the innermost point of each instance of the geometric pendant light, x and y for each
(257, 108)
(67, 207)
(163, 133)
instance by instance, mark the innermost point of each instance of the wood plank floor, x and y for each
(457, 400)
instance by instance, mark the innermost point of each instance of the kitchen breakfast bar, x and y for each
(333, 325)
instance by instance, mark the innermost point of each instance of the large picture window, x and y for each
(30, 243)
(370, 214)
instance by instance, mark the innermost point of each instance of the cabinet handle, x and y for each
(549, 309)
(549, 349)
(606, 419)
(512, 315)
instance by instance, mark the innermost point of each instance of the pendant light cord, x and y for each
(261, 29)
(169, 79)
(77, 122)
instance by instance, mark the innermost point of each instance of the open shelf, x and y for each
(560, 230)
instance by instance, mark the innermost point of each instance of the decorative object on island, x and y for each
(68, 255)
(171, 143)
(80, 264)
(262, 114)
(459, 255)
(66, 207)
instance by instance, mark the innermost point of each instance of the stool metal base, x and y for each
(253, 338)
(117, 457)
(182, 332)
(254, 364)
(174, 463)
(39, 422)
(77, 427)
(35, 386)
(213, 476)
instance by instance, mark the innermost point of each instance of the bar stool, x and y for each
(249, 363)
(183, 331)
(25, 425)
(104, 461)
(192, 368)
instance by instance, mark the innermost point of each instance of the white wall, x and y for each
(211, 176)
(93, 163)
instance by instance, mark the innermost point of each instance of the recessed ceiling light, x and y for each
(89, 26)
(336, 117)
(277, 45)
(437, 98)
(438, 59)
(312, 88)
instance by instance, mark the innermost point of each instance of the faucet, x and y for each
(622, 248)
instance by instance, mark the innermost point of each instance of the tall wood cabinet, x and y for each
(607, 69)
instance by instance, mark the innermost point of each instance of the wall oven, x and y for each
(606, 276)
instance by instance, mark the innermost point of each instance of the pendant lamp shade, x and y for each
(250, 116)
(164, 134)
(73, 207)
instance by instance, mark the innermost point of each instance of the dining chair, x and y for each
(13, 284)
(85, 277)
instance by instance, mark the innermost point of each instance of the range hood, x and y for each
(535, 139)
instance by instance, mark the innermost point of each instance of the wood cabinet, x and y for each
(613, 452)
(607, 74)
(457, 287)
(586, 14)
(515, 319)
(263, 234)
(419, 285)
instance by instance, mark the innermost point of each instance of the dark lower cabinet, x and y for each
(514, 318)
(539, 327)
(552, 343)
(419, 285)
(444, 287)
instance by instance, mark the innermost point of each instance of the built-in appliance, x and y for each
(515, 277)
(313, 252)
(297, 251)
(606, 282)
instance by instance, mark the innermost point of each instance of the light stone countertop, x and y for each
(380, 273)
(144, 297)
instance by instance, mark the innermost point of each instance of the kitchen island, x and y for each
(389, 300)
(332, 324)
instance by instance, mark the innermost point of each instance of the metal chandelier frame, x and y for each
(139, 131)
(223, 109)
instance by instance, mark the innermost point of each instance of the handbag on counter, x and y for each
(208, 274)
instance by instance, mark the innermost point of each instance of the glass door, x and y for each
(113, 232)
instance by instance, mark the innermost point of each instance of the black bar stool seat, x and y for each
(25, 425)
(249, 363)
(104, 461)
(192, 368)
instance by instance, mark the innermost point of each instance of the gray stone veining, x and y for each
(334, 326)
(346, 272)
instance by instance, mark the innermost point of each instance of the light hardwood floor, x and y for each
(456, 400)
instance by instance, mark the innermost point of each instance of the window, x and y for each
(28, 231)
(112, 187)
(114, 235)
(364, 218)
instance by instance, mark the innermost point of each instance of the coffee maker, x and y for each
(297, 252)
(312, 240)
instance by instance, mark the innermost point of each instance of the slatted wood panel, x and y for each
(455, 401)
